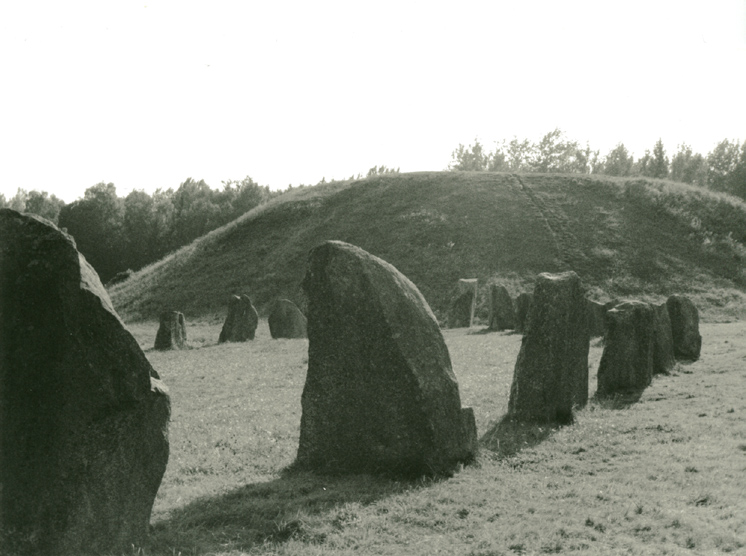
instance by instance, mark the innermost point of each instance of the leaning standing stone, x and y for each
(502, 310)
(551, 373)
(171, 332)
(241, 322)
(83, 416)
(522, 308)
(286, 321)
(627, 361)
(663, 358)
(687, 342)
(380, 395)
(462, 309)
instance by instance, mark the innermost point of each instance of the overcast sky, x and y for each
(147, 94)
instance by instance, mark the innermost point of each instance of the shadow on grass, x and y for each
(508, 437)
(298, 505)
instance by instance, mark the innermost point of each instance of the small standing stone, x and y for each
(687, 342)
(596, 318)
(522, 309)
(286, 321)
(462, 309)
(380, 394)
(663, 357)
(502, 310)
(241, 321)
(627, 361)
(171, 332)
(551, 373)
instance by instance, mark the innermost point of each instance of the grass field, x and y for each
(665, 474)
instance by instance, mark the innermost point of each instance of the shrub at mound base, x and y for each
(83, 416)
(171, 332)
(286, 321)
(627, 361)
(551, 373)
(241, 322)
(380, 395)
(687, 342)
(502, 310)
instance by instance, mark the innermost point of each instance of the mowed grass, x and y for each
(665, 474)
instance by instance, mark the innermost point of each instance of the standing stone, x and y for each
(462, 309)
(627, 361)
(241, 322)
(551, 373)
(380, 395)
(502, 310)
(83, 415)
(171, 332)
(663, 357)
(596, 318)
(286, 320)
(687, 342)
(522, 309)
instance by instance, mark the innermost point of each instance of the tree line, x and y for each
(120, 233)
(723, 169)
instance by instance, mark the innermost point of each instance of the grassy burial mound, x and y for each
(624, 238)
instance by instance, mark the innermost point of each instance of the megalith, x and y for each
(687, 342)
(596, 318)
(627, 360)
(502, 310)
(380, 394)
(522, 307)
(461, 314)
(241, 322)
(171, 331)
(83, 415)
(286, 320)
(663, 357)
(551, 372)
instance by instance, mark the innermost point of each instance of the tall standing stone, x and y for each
(380, 395)
(83, 415)
(551, 373)
(522, 309)
(241, 322)
(663, 357)
(171, 331)
(687, 342)
(462, 309)
(502, 309)
(627, 361)
(286, 321)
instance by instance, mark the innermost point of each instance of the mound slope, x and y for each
(624, 238)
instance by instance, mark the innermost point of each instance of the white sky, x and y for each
(147, 94)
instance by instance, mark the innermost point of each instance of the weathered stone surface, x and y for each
(687, 342)
(551, 373)
(522, 309)
(241, 322)
(596, 312)
(627, 361)
(171, 331)
(380, 394)
(83, 416)
(663, 357)
(286, 320)
(461, 313)
(502, 310)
